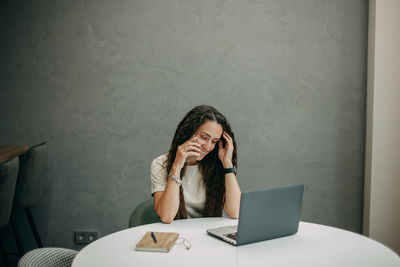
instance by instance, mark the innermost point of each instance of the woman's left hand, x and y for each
(225, 153)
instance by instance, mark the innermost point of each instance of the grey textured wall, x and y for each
(106, 82)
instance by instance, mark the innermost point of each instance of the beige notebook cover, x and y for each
(165, 241)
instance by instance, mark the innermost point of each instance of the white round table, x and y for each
(313, 245)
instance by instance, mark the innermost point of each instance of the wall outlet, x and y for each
(85, 237)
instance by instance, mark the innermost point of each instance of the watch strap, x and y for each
(229, 170)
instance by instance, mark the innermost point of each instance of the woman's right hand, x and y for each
(189, 149)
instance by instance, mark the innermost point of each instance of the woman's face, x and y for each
(208, 135)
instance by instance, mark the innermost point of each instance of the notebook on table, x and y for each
(264, 214)
(157, 241)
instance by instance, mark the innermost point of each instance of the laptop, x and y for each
(264, 214)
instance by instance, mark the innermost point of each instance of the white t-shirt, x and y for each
(194, 190)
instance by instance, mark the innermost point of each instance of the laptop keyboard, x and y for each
(231, 235)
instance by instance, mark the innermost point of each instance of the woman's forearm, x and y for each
(168, 203)
(232, 196)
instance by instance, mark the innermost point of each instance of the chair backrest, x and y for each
(30, 181)
(144, 213)
(8, 179)
(48, 257)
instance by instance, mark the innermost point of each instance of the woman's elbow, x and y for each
(165, 217)
(233, 215)
(166, 220)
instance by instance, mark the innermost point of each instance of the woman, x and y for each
(197, 178)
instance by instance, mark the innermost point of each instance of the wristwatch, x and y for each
(229, 170)
(176, 179)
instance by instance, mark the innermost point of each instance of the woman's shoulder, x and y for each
(161, 158)
(159, 161)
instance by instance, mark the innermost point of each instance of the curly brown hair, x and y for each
(210, 166)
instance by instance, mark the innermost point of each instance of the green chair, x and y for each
(28, 192)
(144, 213)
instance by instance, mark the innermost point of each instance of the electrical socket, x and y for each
(85, 237)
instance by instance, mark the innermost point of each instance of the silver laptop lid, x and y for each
(270, 213)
